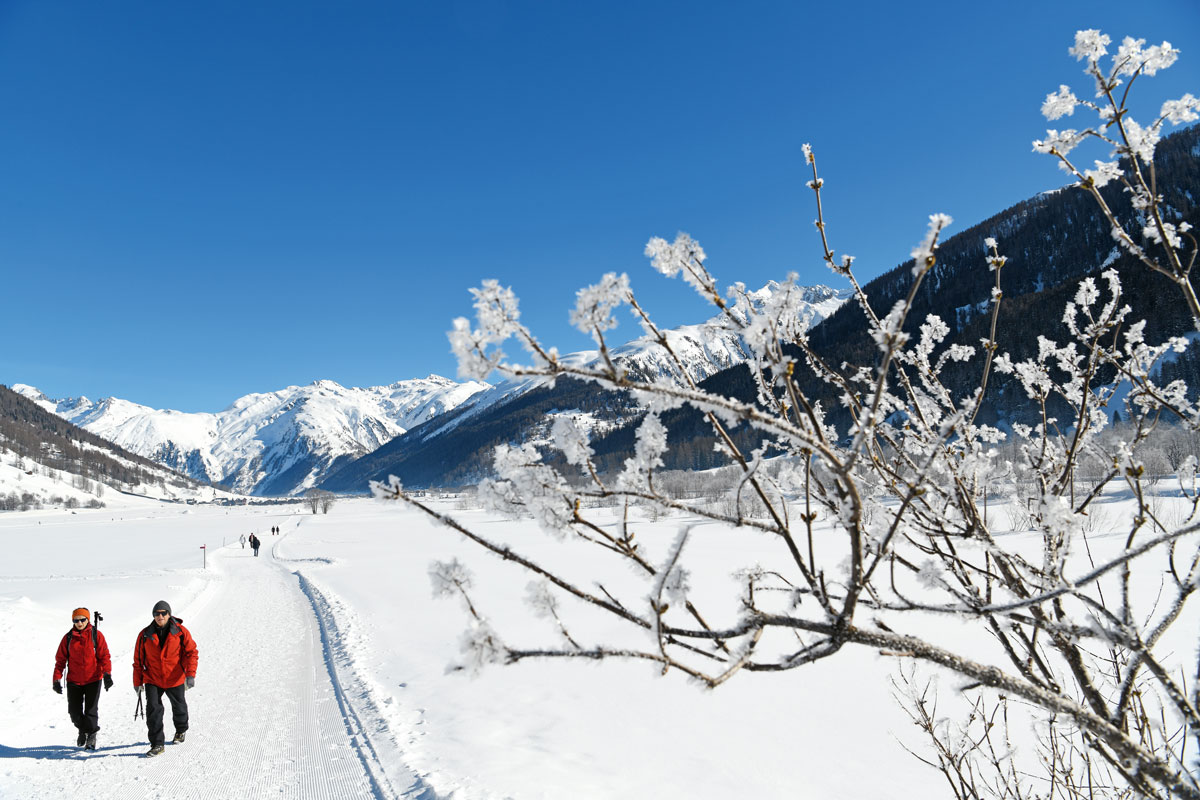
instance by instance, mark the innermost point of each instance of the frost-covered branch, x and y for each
(877, 510)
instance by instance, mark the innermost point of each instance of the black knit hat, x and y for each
(162, 605)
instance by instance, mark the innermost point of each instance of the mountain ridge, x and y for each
(266, 443)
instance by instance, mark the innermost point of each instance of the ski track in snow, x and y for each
(269, 716)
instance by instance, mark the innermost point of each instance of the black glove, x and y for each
(190, 682)
(58, 687)
(107, 681)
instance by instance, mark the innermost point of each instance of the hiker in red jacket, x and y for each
(83, 655)
(164, 663)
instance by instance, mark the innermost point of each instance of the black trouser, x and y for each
(154, 711)
(83, 704)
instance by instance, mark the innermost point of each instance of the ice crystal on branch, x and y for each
(1090, 44)
(1182, 110)
(1104, 173)
(647, 452)
(497, 315)
(683, 255)
(470, 348)
(923, 253)
(1142, 141)
(594, 305)
(571, 441)
(480, 646)
(527, 486)
(541, 599)
(386, 490)
(449, 578)
(1132, 57)
(1060, 104)
(1058, 143)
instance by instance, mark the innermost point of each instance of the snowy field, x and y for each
(323, 672)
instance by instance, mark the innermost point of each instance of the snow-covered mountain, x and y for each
(272, 443)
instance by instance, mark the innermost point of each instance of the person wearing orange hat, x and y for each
(83, 656)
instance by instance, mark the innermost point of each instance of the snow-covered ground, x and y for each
(323, 673)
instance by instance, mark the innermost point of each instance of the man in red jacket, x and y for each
(83, 655)
(164, 663)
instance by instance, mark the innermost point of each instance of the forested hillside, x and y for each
(39, 440)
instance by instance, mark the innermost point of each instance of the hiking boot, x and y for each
(156, 750)
(81, 740)
(90, 744)
(179, 737)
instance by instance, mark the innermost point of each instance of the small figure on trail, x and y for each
(83, 654)
(164, 663)
(255, 542)
(243, 541)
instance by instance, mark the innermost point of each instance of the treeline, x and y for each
(31, 432)
(28, 501)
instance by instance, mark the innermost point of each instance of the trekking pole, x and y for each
(138, 712)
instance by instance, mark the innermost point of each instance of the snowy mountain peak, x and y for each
(821, 297)
(267, 443)
(821, 293)
(25, 390)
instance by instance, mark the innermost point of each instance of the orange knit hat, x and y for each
(80, 612)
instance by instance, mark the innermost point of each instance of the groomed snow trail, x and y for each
(269, 717)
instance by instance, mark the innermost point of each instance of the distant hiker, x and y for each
(255, 542)
(243, 541)
(164, 663)
(83, 654)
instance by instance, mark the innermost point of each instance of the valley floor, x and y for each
(323, 674)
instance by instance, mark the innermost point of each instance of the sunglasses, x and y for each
(80, 619)
(162, 613)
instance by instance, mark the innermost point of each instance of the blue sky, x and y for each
(198, 201)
